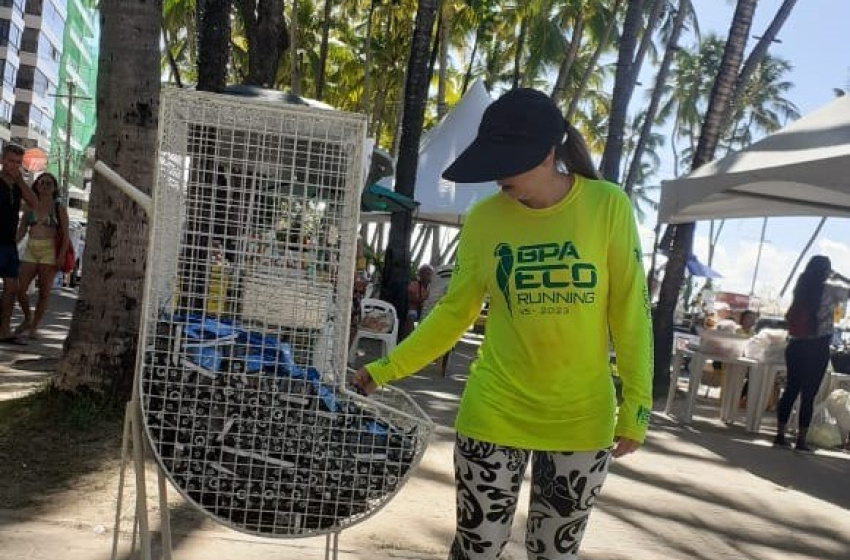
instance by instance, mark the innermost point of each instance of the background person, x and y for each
(13, 188)
(418, 291)
(819, 290)
(46, 223)
(557, 250)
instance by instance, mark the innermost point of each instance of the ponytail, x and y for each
(574, 154)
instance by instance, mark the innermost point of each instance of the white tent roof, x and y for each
(444, 201)
(801, 170)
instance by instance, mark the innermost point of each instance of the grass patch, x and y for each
(50, 437)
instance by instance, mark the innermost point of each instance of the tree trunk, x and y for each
(378, 113)
(172, 63)
(367, 60)
(683, 235)
(213, 44)
(100, 351)
(758, 52)
(623, 86)
(570, 54)
(646, 39)
(657, 94)
(397, 259)
(435, 48)
(594, 59)
(445, 39)
(323, 50)
(520, 47)
(295, 70)
(268, 39)
(467, 77)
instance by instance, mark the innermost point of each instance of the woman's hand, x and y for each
(623, 446)
(363, 381)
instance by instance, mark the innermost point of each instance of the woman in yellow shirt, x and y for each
(557, 251)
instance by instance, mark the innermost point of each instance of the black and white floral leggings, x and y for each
(489, 477)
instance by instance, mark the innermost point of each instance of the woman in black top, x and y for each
(819, 290)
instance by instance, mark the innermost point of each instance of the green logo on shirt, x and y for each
(547, 277)
(642, 416)
(504, 267)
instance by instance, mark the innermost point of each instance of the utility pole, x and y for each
(69, 129)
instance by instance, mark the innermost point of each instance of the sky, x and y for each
(815, 41)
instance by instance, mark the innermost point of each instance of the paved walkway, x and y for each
(704, 492)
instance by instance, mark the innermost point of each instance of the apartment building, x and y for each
(38, 73)
(11, 33)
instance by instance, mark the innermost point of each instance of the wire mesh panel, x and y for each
(247, 308)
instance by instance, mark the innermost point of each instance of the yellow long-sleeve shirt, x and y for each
(559, 280)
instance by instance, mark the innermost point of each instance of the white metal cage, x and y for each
(247, 309)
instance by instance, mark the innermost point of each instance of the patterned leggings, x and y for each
(488, 478)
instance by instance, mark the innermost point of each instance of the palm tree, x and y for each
(681, 14)
(178, 35)
(629, 59)
(721, 95)
(397, 260)
(327, 22)
(213, 44)
(602, 27)
(762, 106)
(100, 352)
(267, 39)
(760, 50)
(687, 93)
(571, 49)
(295, 66)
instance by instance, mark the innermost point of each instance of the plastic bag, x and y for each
(767, 346)
(824, 430)
(838, 405)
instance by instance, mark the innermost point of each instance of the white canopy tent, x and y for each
(442, 201)
(801, 170)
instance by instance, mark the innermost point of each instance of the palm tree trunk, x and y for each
(445, 37)
(397, 259)
(375, 123)
(367, 59)
(268, 39)
(435, 48)
(569, 59)
(295, 72)
(758, 52)
(100, 351)
(683, 235)
(657, 93)
(467, 77)
(399, 119)
(673, 139)
(594, 59)
(623, 87)
(652, 22)
(520, 47)
(323, 50)
(172, 63)
(213, 44)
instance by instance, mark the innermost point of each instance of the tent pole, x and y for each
(758, 258)
(802, 254)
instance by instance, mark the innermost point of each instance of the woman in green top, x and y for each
(557, 251)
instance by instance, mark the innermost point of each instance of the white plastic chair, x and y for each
(388, 339)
